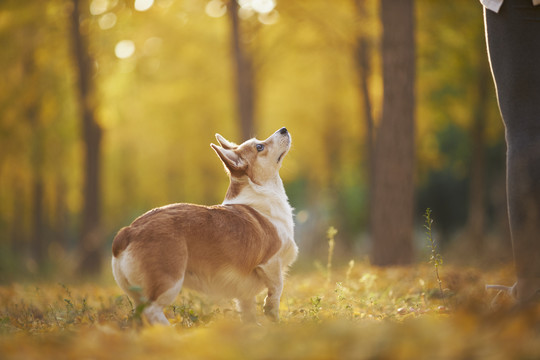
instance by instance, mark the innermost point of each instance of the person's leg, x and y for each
(513, 38)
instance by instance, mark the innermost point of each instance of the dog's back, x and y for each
(219, 242)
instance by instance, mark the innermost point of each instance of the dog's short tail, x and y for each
(121, 241)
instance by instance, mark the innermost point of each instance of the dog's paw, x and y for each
(271, 312)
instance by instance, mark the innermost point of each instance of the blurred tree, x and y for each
(244, 75)
(393, 194)
(91, 237)
(37, 159)
(363, 70)
(31, 114)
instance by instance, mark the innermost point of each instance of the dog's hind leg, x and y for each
(154, 314)
(154, 311)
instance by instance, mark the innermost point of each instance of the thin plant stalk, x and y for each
(435, 258)
(330, 234)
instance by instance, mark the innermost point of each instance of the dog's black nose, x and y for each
(283, 131)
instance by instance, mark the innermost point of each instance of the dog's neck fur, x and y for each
(269, 199)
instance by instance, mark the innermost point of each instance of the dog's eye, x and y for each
(260, 147)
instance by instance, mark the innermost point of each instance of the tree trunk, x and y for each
(17, 226)
(38, 241)
(393, 194)
(363, 70)
(38, 236)
(61, 214)
(91, 240)
(244, 72)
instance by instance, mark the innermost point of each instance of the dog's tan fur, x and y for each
(232, 250)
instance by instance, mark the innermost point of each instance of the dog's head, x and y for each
(258, 160)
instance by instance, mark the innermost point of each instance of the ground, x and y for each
(355, 312)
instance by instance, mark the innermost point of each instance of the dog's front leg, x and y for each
(272, 277)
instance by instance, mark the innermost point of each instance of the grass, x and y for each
(435, 258)
(365, 313)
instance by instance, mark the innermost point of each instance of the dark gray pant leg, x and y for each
(513, 37)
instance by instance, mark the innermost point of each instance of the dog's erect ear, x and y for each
(226, 144)
(233, 163)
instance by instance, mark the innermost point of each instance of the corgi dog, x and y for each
(233, 250)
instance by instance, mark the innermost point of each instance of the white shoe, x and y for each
(510, 290)
(524, 291)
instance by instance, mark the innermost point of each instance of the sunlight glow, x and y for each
(143, 5)
(265, 9)
(244, 3)
(245, 12)
(152, 45)
(215, 8)
(269, 18)
(124, 49)
(302, 216)
(98, 7)
(107, 21)
(263, 6)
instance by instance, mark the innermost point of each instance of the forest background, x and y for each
(108, 107)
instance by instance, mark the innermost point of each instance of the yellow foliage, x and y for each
(390, 313)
